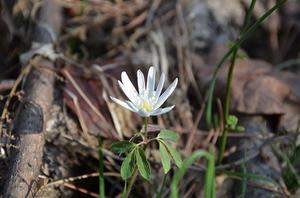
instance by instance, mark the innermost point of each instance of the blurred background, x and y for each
(60, 62)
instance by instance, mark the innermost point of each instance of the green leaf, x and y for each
(165, 157)
(174, 154)
(121, 147)
(165, 134)
(242, 55)
(210, 99)
(142, 163)
(240, 129)
(230, 44)
(232, 121)
(127, 166)
(216, 120)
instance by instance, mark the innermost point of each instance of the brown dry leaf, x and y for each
(256, 91)
(258, 88)
(291, 104)
(98, 115)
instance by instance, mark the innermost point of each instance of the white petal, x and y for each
(151, 81)
(127, 83)
(162, 110)
(133, 97)
(159, 87)
(125, 104)
(166, 94)
(143, 113)
(141, 81)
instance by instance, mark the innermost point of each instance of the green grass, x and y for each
(101, 169)
(209, 188)
(232, 52)
(290, 174)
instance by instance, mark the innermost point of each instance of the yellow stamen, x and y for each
(147, 106)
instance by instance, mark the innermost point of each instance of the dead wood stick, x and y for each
(6, 85)
(31, 115)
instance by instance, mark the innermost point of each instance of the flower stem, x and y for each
(131, 182)
(162, 186)
(135, 172)
(146, 129)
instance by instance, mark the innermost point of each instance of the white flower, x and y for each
(147, 101)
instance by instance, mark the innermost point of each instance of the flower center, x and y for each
(147, 106)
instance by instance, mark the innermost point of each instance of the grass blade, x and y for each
(101, 170)
(209, 178)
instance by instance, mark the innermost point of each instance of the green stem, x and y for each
(244, 35)
(233, 60)
(209, 188)
(228, 86)
(248, 15)
(145, 139)
(146, 129)
(162, 186)
(229, 83)
(227, 106)
(244, 181)
(245, 31)
(124, 190)
(101, 170)
(131, 182)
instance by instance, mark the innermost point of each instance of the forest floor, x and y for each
(60, 61)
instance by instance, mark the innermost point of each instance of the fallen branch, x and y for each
(29, 124)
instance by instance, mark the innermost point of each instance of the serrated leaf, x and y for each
(165, 134)
(174, 154)
(165, 158)
(142, 163)
(232, 121)
(127, 166)
(121, 147)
